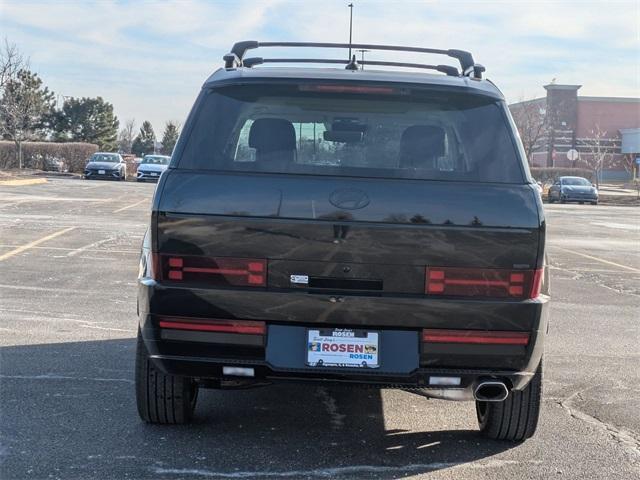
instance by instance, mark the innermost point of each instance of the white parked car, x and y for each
(151, 167)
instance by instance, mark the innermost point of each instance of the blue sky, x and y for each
(149, 58)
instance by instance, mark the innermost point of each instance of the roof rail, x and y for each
(469, 68)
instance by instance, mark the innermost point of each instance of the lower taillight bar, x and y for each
(247, 327)
(475, 337)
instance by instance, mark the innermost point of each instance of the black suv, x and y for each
(346, 225)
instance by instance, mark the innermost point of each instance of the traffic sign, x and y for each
(573, 154)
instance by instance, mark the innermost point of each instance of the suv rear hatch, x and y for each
(347, 190)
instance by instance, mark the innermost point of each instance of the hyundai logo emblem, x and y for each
(349, 198)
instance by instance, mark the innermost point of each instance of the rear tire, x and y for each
(516, 418)
(163, 399)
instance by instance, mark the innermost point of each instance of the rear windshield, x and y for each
(353, 131)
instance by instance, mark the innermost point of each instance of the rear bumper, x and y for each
(398, 319)
(211, 369)
(108, 175)
(568, 197)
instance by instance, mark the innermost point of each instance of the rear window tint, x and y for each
(396, 134)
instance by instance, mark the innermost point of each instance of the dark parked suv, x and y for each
(351, 226)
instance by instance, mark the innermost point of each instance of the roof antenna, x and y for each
(350, 26)
(353, 64)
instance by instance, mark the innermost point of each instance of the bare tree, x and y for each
(532, 121)
(626, 161)
(25, 103)
(126, 136)
(11, 62)
(598, 151)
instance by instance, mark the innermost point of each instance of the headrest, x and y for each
(422, 141)
(272, 134)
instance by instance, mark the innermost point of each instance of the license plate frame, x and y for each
(342, 348)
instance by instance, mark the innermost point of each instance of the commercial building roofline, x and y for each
(554, 86)
(609, 99)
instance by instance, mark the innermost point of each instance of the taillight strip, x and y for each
(475, 337)
(220, 271)
(492, 283)
(248, 327)
(483, 282)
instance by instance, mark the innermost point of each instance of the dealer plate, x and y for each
(341, 347)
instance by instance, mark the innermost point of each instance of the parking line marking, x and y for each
(29, 245)
(91, 245)
(601, 260)
(130, 206)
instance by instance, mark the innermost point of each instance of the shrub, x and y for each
(549, 174)
(35, 154)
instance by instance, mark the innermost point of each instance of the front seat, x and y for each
(421, 146)
(275, 142)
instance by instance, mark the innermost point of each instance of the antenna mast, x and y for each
(350, 27)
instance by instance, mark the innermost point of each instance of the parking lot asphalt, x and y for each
(68, 266)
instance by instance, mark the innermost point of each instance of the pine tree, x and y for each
(170, 137)
(88, 120)
(144, 143)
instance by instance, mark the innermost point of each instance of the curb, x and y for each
(27, 181)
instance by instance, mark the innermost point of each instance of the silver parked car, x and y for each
(106, 165)
(573, 189)
(151, 167)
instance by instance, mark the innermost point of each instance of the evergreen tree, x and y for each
(170, 137)
(88, 120)
(144, 143)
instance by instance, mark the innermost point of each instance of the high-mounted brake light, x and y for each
(483, 282)
(475, 337)
(247, 327)
(331, 88)
(248, 272)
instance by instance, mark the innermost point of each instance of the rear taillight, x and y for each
(475, 337)
(483, 282)
(247, 327)
(219, 271)
(154, 269)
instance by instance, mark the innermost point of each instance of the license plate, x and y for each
(340, 347)
(154, 174)
(100, 172)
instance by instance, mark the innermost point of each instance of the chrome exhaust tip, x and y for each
(491, 391)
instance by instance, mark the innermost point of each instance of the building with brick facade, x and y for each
(605, 131)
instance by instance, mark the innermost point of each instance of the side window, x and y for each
(243, 152)
(312, 149)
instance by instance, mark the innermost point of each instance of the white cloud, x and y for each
(150, 57)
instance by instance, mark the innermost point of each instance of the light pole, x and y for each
(350, 27)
